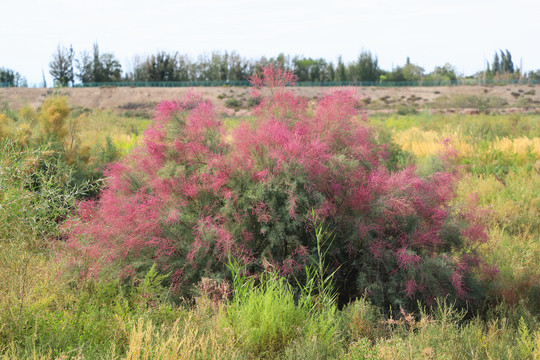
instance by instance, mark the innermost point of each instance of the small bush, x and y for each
(233, 103)
(406, 110)
(37, 191)
(53, 116)
(362, 320)
(254, 101)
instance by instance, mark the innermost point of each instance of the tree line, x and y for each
(91, 67)
(12, 78)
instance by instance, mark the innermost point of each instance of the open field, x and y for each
(504, 98)
(45, 313)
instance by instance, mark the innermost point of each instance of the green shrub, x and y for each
(53, 117)
(193, 196)
(406, 110)
(362, 319)
(233, 103)
(254, 101)
(37, 190)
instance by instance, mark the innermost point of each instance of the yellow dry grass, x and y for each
(424, 143)
(519, 146)
(185, 340)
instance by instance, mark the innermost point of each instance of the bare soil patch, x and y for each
(509, 98)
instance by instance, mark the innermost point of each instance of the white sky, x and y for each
(464, 33)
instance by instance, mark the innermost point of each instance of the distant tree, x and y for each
(213, 67)
(408, 72)
(302, 68)
(395, 75)
(534, 75)
(316, 72)
(159, 67)
(501, 65)
(412, 72)
(331, 72)
(85, 68)
(308, 69)
(366, 68)
(507, 64)
(239, 69)
(223, 63)
(98, 68)
(496, 68)
(61, 65)
(443, 73)
(12, 78)
(283, 61)
(186, 68)
(341, 72)
(258, 64)
(111, 70)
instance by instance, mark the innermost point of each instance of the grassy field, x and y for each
(45, 314)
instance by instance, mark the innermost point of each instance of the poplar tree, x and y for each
(496, 64)
(508, 66)
(341, 73)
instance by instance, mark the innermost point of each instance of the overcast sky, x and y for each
(464, 33)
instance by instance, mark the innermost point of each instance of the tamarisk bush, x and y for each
(195, 194)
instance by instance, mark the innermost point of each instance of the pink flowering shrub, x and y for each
(194, 195)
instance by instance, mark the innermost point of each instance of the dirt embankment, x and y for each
(505, 98)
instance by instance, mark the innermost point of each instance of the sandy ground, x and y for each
(377, 98)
